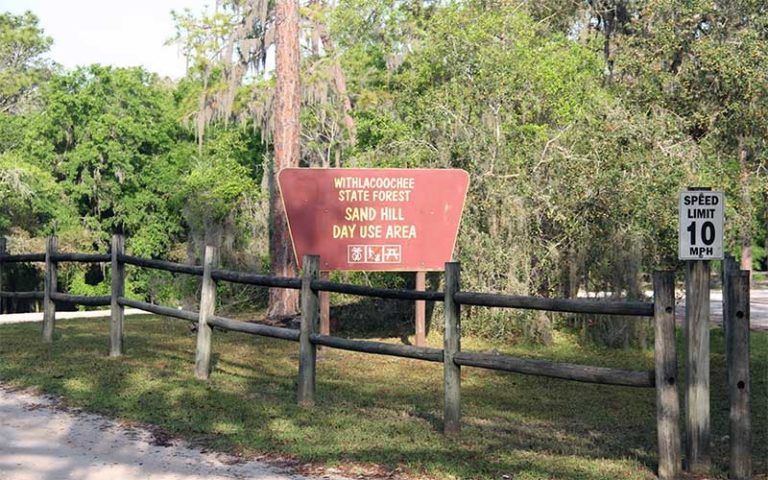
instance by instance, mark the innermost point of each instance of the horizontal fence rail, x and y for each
(379, 348)
(220, 322)
(159, 309)
(255, 328)
(23, 257)
(256, 279)
(81, 257)
(89, 301)
(172, 267)
(363, 291)
(450, 356)
(597, 307)
(23, 295)
(567, 371)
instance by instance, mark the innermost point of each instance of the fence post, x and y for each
(207, 308)
(116, 335)
(452, 346)
(3, 251)
(697, 412)
(310, 312)
(737, 356)
(665, 359)
(49, 307)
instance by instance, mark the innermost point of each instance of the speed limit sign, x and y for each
(701, 225)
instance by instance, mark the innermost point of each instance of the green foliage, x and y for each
(213, 188)
(22, 66)
(706, 62)
(578, 124)
(29, 196)
(560, 171)
(107, 152)
(107, 136)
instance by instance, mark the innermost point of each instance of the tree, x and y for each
(111, 140)
(221, 176)
(22, 65)
(30, 197)
(103, 130)
(286, 143)
(706, 62)
(22, 70)
(222, 47)
(569, 188)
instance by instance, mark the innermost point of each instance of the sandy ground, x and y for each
(39, 440)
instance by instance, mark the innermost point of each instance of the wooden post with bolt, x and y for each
(737, 357)
(452, 346)
(667, 399)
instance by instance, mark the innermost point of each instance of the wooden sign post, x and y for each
(739, 385)
(421, 311)
(325, 308)
(700, 240)
(697, 415)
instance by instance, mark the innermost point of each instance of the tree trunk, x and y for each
(746, 202)
(569, 287)
(284, 302)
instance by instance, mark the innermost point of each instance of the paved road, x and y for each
(41, 441)
(758, 308)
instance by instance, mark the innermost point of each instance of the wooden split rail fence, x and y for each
(663, 378)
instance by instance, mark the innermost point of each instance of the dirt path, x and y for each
(41, 441)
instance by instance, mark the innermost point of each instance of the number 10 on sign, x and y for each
(701, 225)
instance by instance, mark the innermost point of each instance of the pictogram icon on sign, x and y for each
(374, 253)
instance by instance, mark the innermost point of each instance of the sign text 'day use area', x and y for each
(701, 225)
(374, 219)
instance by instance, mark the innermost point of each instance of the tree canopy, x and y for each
(578, 124)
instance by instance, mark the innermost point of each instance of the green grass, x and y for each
(373, 412)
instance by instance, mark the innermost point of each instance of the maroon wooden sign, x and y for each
(374, 219)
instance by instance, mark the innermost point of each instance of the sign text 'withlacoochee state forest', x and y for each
(376, 219)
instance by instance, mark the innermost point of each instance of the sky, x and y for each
(111, 32)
